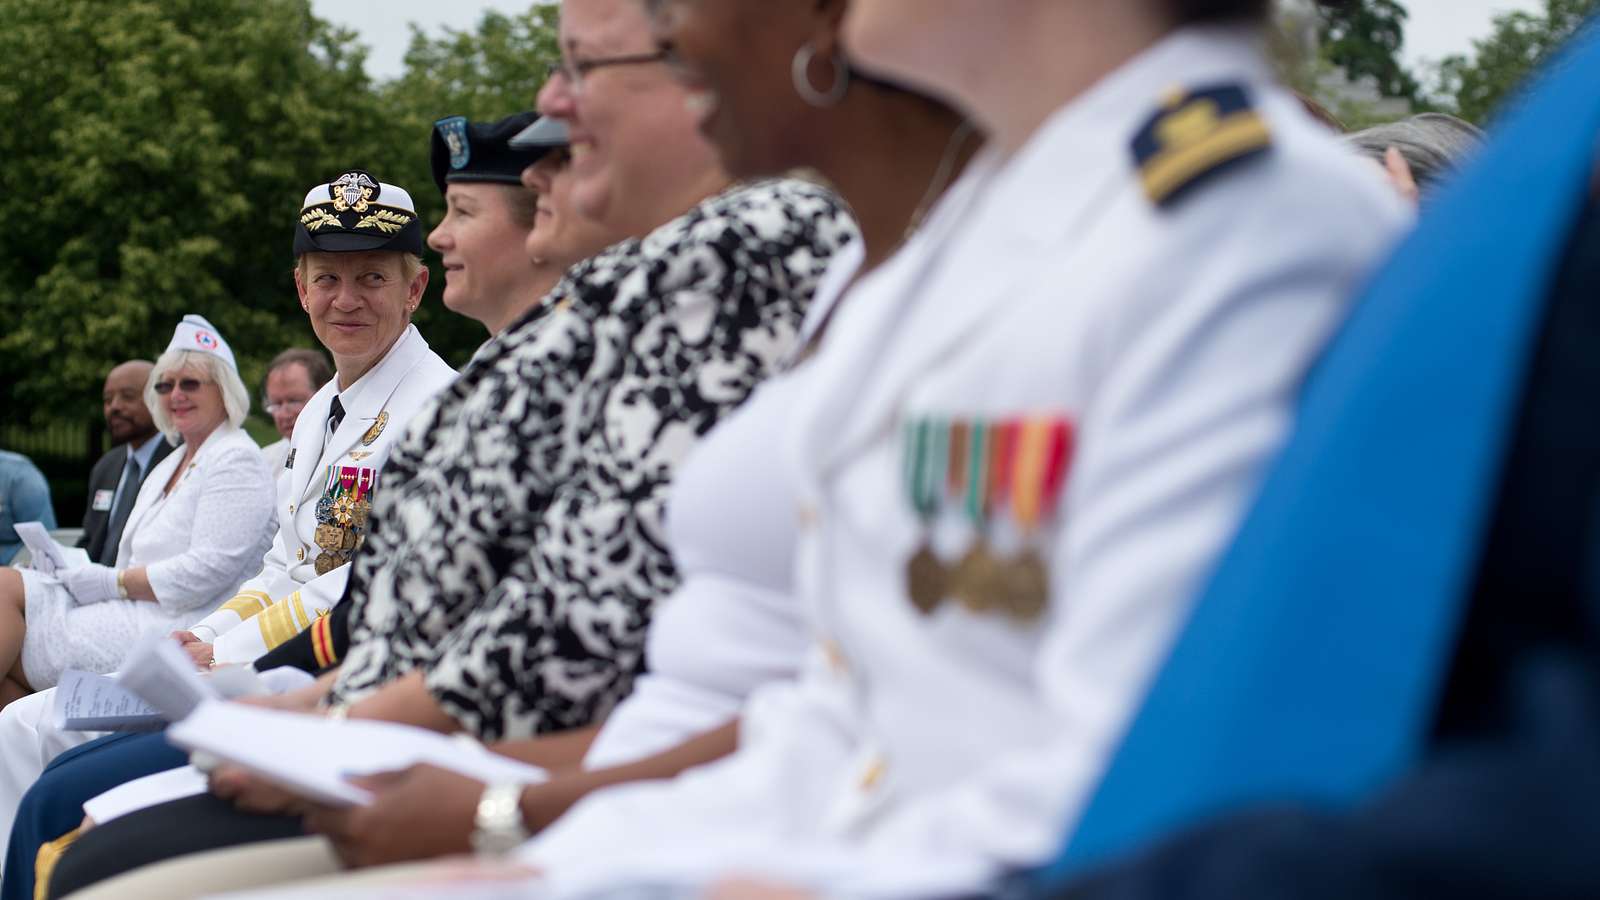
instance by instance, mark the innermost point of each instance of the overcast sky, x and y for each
(1438, 27)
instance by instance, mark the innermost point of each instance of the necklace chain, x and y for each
(941, 175)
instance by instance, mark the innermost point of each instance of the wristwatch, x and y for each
(122, 584)
(497, 830)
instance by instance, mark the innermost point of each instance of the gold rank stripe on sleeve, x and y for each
(247, 604)
(301, 620)
(283, 620)
(322, 642)
(1194, 136)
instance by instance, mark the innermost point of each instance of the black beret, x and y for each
(481, 151)
(357, 212)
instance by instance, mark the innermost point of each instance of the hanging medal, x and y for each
(989, 507)
(366, 480)
(924, 473)
(956, 438)
(329, 535)
(1043, 452)
(975, 583)
(335, 520)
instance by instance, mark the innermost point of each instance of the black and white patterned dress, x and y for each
(517, 545)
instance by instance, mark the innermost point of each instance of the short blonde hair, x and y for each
(235, 398)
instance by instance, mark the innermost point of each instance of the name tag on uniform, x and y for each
(102, 501)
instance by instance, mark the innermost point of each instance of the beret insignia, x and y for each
(1195, 135)
(454, 132)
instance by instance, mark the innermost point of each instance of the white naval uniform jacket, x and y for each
(946, 746)
(288, 594)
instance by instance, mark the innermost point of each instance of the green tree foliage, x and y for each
(1476, 85)
(154, 153)
(1364, 37)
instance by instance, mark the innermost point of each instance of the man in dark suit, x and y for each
(114, 482)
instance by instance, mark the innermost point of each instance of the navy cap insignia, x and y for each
(353, 190)
(1195, 135)
(454, 132)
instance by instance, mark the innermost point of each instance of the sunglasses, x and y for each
(187, 385)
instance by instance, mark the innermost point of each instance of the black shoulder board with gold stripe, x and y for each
(1194, 135)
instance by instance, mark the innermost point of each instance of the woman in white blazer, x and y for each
(199, 527)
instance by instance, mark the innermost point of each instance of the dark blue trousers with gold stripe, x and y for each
(54, 805)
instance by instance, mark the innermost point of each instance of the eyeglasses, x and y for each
(187, 385)
(575, 70)
(287, 406)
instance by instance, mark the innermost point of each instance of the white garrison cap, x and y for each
(195, 333)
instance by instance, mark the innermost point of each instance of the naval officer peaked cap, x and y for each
(357, 212)
(484, 151)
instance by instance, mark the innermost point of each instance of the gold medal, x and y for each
(327, 562)
(978, 580)
(329, 537)
(926, 580)
(350, 539)
(1026, 588)
(927, 576)
(344, 509)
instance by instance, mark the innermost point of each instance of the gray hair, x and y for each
(1434, 144)
(235, 398)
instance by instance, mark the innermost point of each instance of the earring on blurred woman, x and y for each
(800, 70)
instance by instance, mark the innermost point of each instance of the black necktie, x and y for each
(127, 492)
(335, 416)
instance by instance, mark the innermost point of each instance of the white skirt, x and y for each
(95, 638)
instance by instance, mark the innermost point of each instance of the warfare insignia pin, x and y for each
(375, 430)
(353, 190)
(454, 132)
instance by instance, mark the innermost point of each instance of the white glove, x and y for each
(93, 583)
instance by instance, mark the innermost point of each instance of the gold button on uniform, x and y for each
(300, 554)
(835, 656)
(291, 509)
(872, 776)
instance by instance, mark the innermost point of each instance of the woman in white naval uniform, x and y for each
(1161, 243)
